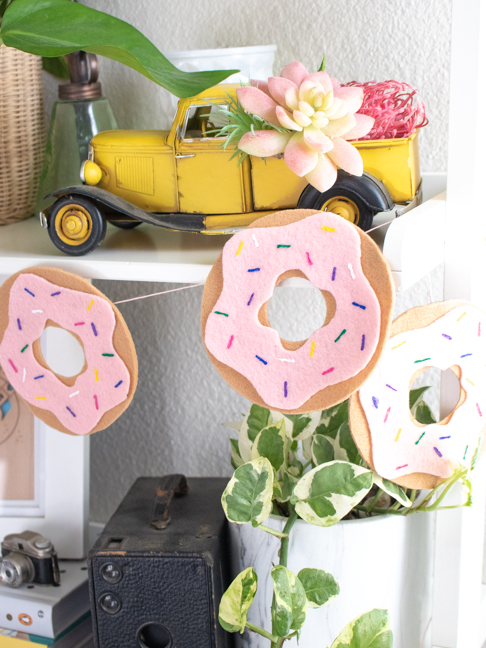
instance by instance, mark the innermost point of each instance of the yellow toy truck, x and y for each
(183, 179)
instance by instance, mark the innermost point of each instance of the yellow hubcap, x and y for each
(73, 224)
(343, 207)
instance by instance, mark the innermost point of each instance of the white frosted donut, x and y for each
(105, 382)
(327, 250)
(400, 445)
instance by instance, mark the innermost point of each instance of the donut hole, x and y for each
(433, 377)
(296, 311)
(61, 352)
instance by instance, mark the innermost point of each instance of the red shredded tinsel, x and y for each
(395, 107)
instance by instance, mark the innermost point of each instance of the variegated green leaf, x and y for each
(271, 443)
(248, 495)
(416, 395)
(278, 416)
(237, 600)
(307, 447)
(304, 425)
(327, 493)
(322, 449)
(370, 630)
(331, 419)
(290, 606)
(236, 459)
(347, 450)
(320, 587)
(295, 466)
(287, 484)
(255, 420)
(394, 490)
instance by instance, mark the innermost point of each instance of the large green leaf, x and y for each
(57, 27)
(304, 425)
(347, 447)
(271, 443)
(327, 493)
(289, 611)
(416, 395)
(370, 630)
(320, 587)
(331, 420)
(394, 490)
(287, 484)
(236, 459)
(248, 495)
(322, 449)
(237, 600)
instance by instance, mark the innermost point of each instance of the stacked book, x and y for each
(45, 615)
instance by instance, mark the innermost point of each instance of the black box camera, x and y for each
(160, 567)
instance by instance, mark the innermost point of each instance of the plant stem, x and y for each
(284, 546)
(371, 505)
(262, 632)
(273, 532)
(377, 510)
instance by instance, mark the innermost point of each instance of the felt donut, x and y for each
(38, 297)
(445, 335)
(353, 277)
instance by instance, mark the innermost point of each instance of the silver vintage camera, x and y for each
(28, 557)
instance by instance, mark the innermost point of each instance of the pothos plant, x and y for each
(308, 467)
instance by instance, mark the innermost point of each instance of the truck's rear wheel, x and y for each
(340, 202)
(76, 225)
(126, 225)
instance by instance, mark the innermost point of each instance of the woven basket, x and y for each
(22, 133)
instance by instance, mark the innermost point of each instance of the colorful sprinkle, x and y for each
(397, 437)
(333, 274)
(460, 318)
(400, 467)
(309, 259)
(118, 384)
(70, 411)
(359, 305)
(424, 360)
(280, 245)
(108, 355)
(240, 247)
(446, 336)
(285, 359)
(30, 293)
(37, 311)
(313, 346)
(479, 409)
(18, 324)
(375, 401)
(22, 350)
(25, 373)
(91, 303)
(465, 453)
(327, 371)
(230, 342)
(249, 301)
(254, 270)
(261, 360)
(328, 229)
(438, 451)
(470, 382)
(285, 389)
(56, 293)
(220, 313)
(255, 240)
(96, 401)
(466, 354)
(96, 374)
(340, 335)
(74, 394)
(399, 345)
(38, 377)
(80, 323)
(363, 342)
(442, 438)
(94, 329)
(40, 398)
(390, 387)
(351, 271)
(423, 434)
(13, 366)
(386, 415)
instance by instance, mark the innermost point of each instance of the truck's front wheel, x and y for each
(341, 202)
(76, 225)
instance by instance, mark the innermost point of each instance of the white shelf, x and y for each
(413, 245)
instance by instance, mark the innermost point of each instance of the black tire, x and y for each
(311, 198)
(126, 225)
(96, 227)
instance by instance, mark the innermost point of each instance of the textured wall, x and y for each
(174, 423)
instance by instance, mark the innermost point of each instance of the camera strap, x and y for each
(168, 486)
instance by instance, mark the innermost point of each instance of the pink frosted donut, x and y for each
(105, 384)
(330, 252)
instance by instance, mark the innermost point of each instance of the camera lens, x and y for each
(16, 569)
(110, 603)
(154, 635)
(111, 573)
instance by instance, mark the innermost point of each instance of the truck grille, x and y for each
(135, 173)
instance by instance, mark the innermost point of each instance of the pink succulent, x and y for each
(319, 116)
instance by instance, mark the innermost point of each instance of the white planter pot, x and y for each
(379, 562)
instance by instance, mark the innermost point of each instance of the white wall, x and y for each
(174, 422)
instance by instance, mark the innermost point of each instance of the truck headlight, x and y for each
(90, 173)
